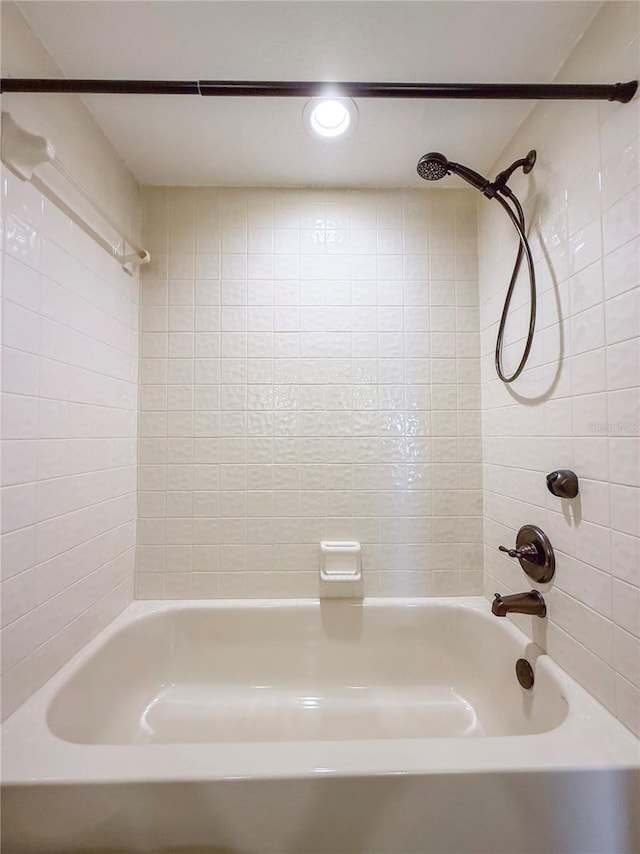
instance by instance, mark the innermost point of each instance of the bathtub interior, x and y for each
(278, 672)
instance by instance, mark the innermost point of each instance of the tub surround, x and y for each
(69, 382)
(69, 402)
(309, 371)
(577, 405)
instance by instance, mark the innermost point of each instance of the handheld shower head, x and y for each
(433, 166)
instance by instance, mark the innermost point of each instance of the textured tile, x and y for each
(339, 293)
(70, 377)
(576, 405)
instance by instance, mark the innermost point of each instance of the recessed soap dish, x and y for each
(340, 561)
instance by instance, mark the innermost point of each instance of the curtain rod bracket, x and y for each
(624, 92)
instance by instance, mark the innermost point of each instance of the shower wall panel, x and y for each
(577, 405)
(69, 407)
(309, 370)
(69, 392)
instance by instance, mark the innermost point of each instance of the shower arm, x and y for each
(621, 92)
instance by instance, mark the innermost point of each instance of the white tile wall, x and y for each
(309, 370)
(78, 140)
(69, 407)
(578, 403)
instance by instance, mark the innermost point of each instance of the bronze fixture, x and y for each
(524, 673)
(535, 553)
(563, 483)
(519, 603)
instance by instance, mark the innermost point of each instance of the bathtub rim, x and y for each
(589, 736)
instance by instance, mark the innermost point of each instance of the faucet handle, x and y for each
(527, 552)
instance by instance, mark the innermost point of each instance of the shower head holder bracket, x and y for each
(527, 164)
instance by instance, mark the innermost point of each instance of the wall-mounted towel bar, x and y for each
(24, 152)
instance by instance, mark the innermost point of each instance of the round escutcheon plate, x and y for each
(542, 568)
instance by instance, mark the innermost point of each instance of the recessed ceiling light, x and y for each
(330, 118)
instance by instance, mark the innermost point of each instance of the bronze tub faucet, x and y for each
(519, 603)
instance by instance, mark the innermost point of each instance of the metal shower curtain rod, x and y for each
(622, 92)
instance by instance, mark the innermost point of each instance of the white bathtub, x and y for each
(256, 727)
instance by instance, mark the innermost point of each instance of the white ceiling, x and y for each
(261, 141)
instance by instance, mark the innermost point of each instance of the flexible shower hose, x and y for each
(523, 249)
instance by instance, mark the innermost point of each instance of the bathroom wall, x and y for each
(309, 370)
(69, 399)
(578, 403)
(79, 142)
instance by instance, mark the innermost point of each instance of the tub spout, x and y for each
(519, 603)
